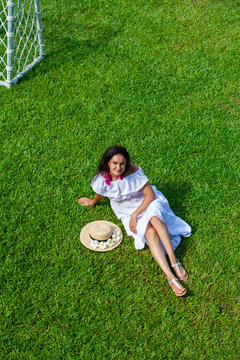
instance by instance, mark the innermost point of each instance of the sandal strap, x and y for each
(177, 268)
(176, 282)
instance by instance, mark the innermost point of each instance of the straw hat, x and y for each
(101, 236)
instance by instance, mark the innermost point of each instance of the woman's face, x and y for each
(117, 165)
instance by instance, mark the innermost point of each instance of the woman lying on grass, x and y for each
(143, 209)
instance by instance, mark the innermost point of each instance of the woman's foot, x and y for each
(180, 271)
(178, 289)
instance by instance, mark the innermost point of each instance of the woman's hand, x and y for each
(85, 201)
(149, 197)
(133, 224)
(88, 202)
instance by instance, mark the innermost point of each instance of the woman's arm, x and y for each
(149, 197)
(89, 202)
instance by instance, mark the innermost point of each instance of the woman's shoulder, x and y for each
(98, 184)
(131, 170)
(98, 178)
(133, 181)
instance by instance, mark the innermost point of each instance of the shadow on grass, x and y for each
(72, 49)
(65, 48)
(175, 194)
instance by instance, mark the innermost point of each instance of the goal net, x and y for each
(21, 39)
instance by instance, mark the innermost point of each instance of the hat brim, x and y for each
(86, 240)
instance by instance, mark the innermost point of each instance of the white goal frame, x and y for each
(21, 39)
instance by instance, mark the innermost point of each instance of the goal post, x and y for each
(21, 39)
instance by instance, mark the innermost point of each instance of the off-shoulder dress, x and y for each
(126, 196)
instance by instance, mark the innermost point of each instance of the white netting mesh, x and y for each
(27, 42)
(3, 39)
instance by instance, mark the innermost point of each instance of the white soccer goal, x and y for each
(21, 39)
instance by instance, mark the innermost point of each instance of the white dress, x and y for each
(125, 197)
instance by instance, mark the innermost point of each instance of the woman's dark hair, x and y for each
(109, 153)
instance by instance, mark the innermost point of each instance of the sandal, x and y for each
(175, 281)
(178, 272)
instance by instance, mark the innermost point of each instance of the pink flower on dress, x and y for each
(108, 178)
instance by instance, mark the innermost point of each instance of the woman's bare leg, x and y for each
(163, 234)
(158, 254)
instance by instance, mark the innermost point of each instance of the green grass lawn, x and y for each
(162, 79)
